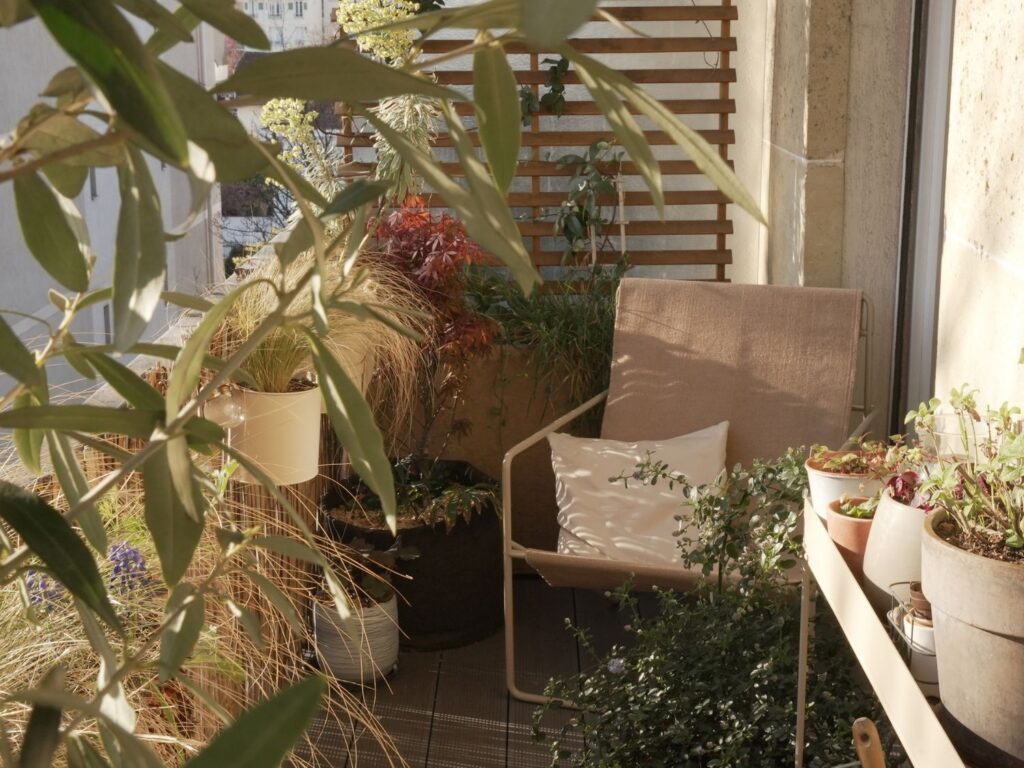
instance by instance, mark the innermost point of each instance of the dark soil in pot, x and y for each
(453, 593)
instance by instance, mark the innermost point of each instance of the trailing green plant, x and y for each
(980, 485)
(118, 105)
(869, 458)
(861, 509)
(552, 100)
(728, 697)
(567, 330)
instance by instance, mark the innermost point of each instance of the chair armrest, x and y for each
(515, 450)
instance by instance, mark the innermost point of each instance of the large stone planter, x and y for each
(978, 612)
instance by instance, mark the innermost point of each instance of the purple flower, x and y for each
(44, 591)
(129, 568)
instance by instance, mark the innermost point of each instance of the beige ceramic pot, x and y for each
(281, 433)
(850, 535)
(893, 554)
(826, 486)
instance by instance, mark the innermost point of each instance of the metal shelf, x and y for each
(915, 722)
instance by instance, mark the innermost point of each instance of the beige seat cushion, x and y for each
(633, 523)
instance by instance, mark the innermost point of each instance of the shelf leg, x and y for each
(806, 611)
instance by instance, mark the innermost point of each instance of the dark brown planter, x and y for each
(979, 643)
(850, 535)
(453, 593)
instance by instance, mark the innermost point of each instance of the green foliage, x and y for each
(978, 477)
(119, 105)
(552, 100)
(861, 509)
(568, 329)
(710, 680)
(581, 219)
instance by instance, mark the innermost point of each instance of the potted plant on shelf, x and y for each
(447, 509)
(832, 475)
(849, 524)
(893, 554)
(363, 645)
(972, 567)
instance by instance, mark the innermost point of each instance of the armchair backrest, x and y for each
(778, 363)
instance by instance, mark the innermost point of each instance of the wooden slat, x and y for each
(676, 106)
(544, 168)
(710, 227)
(646, 258)
(610, 45)
(677, 12)
(642, 76)
(554, 138)
(551, 199)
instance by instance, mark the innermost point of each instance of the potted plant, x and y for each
(849, 523)
(447, 509)
(832, 475)
(972, 566)
(893, 554)
(363, 645)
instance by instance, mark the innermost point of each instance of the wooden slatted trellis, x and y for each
(686, 64)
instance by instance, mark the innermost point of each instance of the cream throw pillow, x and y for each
(635, 524)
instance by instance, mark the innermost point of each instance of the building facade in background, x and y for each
(293, 23)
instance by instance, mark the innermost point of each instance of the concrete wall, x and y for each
(838, 127)
(981, 315)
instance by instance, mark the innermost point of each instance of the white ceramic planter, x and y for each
(924, 667)
(280, 433)
(894, 550)
(359, 648)
(826, 487)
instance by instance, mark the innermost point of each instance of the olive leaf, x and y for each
(189, 609)
(82, 418)
(494, 89)
(262, 736)
(353, 422)
(140, 260)
(45, 224)
(102, 42)
(74, 484)
(174, 532)
(42, 735)
(16, 360)
(547, 24)
(328, 74)
(224, 16)
(52, 540)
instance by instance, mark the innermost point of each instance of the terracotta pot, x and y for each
(919, 604)
(280, 433)
(360, 647)
(979, 642)
(826, 486)
(850, 535)
(893, 553)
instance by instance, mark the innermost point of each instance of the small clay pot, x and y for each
(919, 604)
(850, 535)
